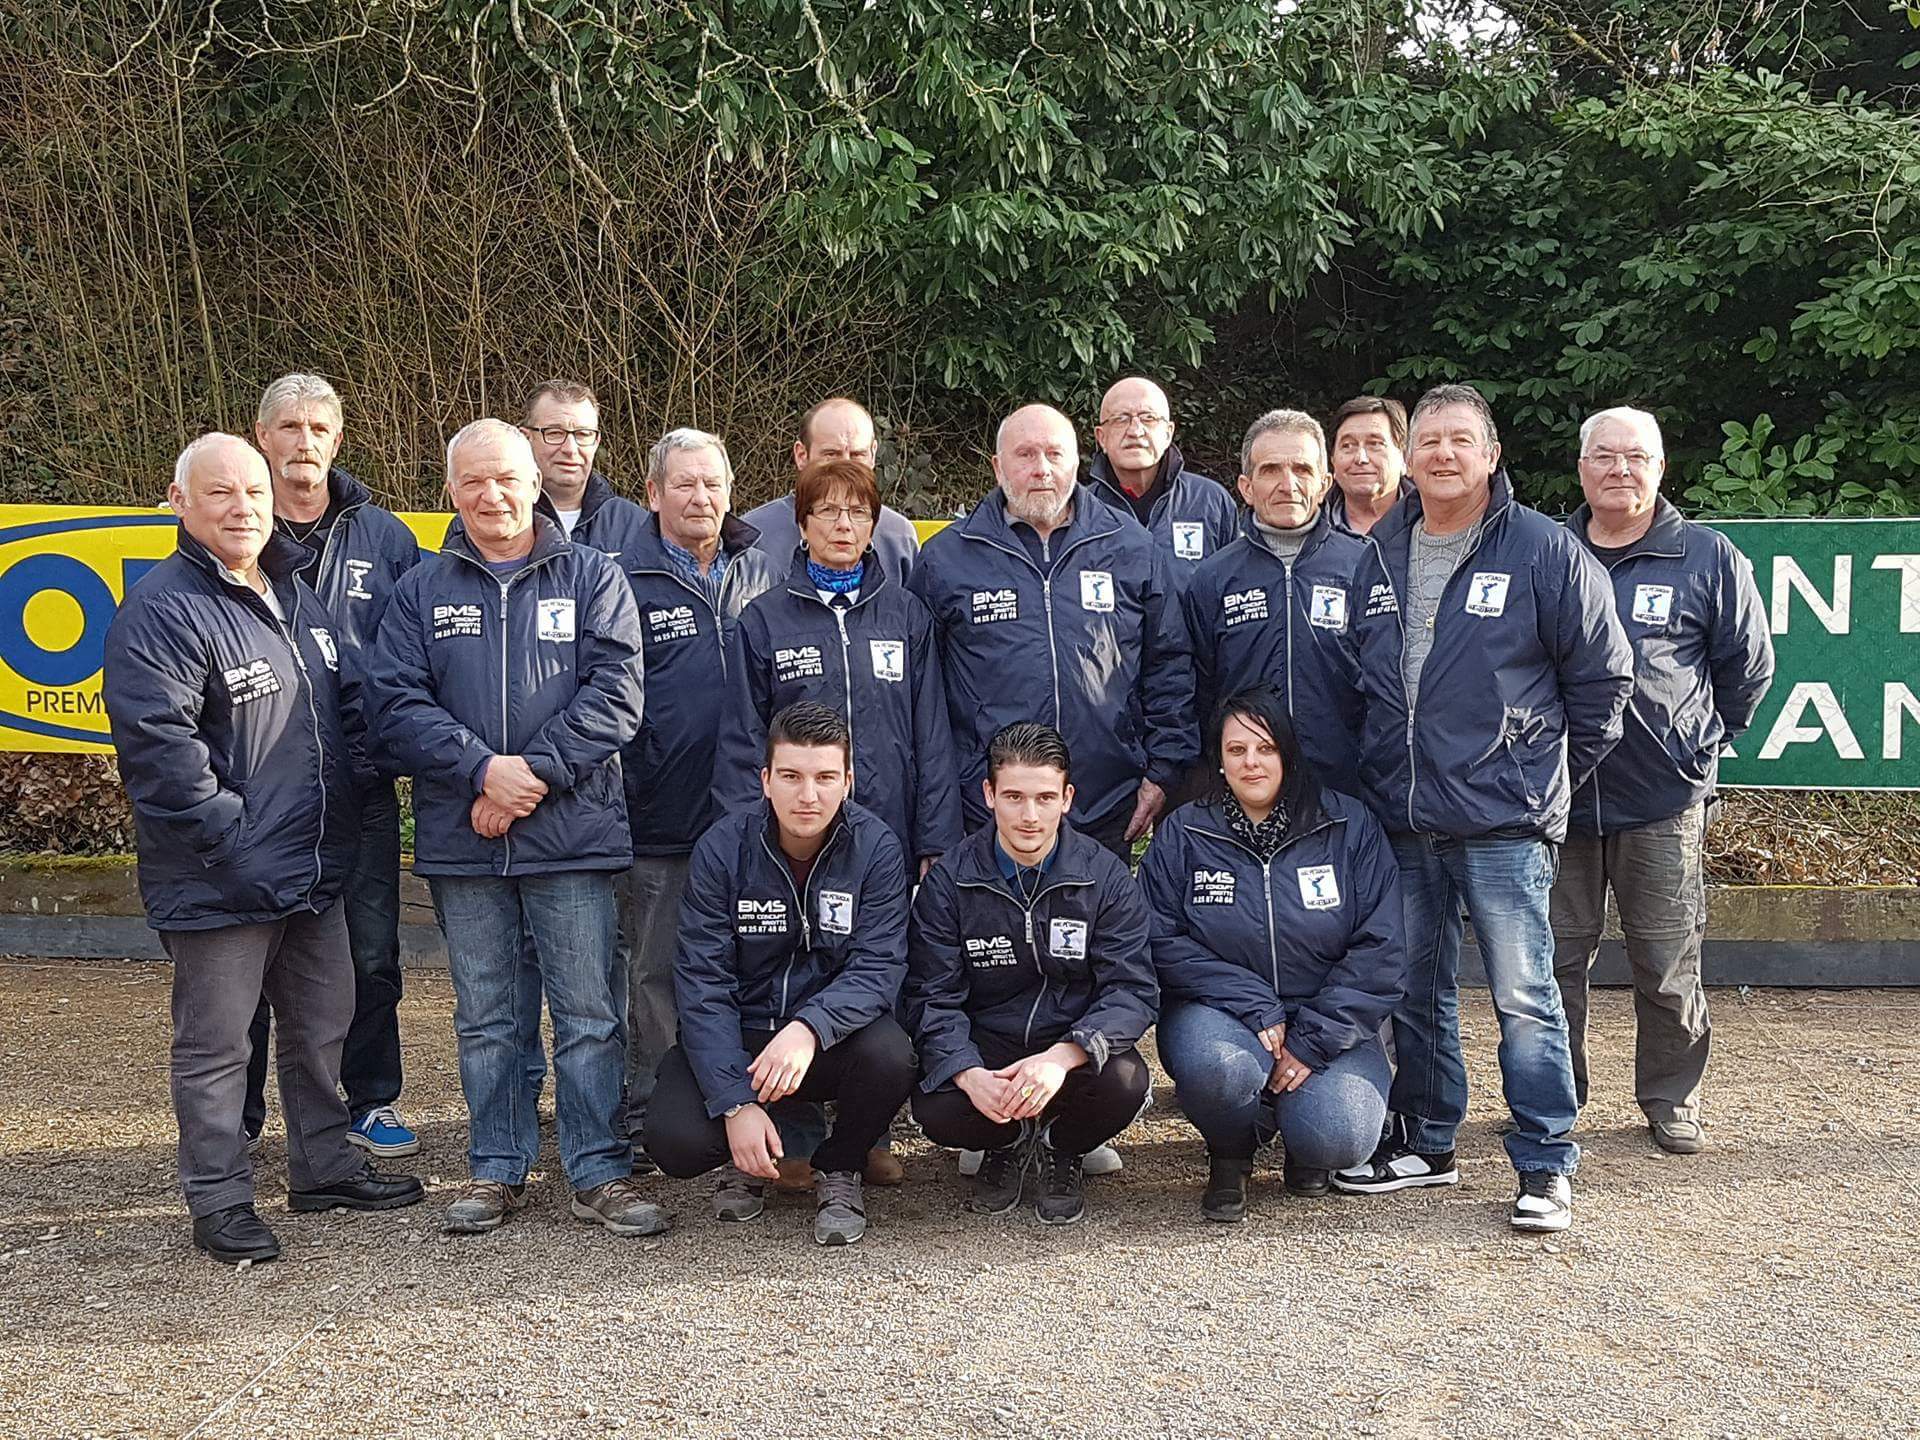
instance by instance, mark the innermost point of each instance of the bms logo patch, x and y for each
(1213, 887)
(991, 606)
(760, 917)
(797, 662)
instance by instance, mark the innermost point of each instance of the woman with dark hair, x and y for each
(1277, 939)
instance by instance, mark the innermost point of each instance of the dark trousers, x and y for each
(1090, 1109)
(370, 1061)
(867, 1076)
(303, 966)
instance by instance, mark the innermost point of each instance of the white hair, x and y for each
(1000, 434)
(1627, 415)
(685, 438)
(183, 464)
(1283, 422)
(514, 436)
(298, 389)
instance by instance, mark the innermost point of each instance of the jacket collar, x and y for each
(1666, 536)
(280, 559)
(598, 492)
(1312, 813)
(873, 579)
(989, 519)
(1336, 502)
(769, 828)
(1171, 471)
(649, 550)
(1396, 526)
(1321, 528)
(548, 540)
(976, 863)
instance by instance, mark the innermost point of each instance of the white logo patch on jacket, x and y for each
(252, 681)
(797, 662)
(1381, 600)
(1213, 887)
(1096, 590)
(1652, 604)
(1328, 610)
(1189, 539)
(889, 659)
(357, 571)
(760, 917)
(453, 621)
(324, 639)
(836, 912)
(992, 605)
(1319, 890)
(989, 952)
(1487, 595)
(1241, 606)
(556, 620)
(1067, 939)
(672, 622)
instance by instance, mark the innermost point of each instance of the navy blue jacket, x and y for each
(1702, 659)
(669, 765)
(545, 665)
(755, 953)
(240, 739)
(1313, 938)
(1191, 519)
(1521, 695)
(1250, 624)
(1073, 965)
(367, 551)
(1094, 646)
(895, 540)
(609, 522)
(877, 664)
(1336, 506)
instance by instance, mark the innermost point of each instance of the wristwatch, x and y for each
(733, 1112)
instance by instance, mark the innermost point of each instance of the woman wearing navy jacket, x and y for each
(844, 633)
(1277, 938)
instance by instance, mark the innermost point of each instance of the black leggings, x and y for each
(867, 1075)
(1089, 1110)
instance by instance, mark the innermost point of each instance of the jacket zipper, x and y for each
(1598, 807)
(800, 904)
(288, 630)
(1266, 876)
(1033, 947)
(1046, 592)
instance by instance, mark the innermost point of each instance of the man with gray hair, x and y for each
(352, 554)
(236, 716)
(1703, 660)
(1272, 607)
(1138, 468)
(508, 677)
(1494, 674)
(693, 568)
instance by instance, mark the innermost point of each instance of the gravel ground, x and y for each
(1771, 1286)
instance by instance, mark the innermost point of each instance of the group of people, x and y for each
(867, 841)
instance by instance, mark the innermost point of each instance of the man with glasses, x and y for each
(1703, 659)
(562, 423)
(1138, 469)
(835, 429)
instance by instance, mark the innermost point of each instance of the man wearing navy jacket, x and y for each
(1049, 602)
(1494, 672)
(1272, 608)
(1029, 985)
(355, 552)
(236, 716)
(793, 932)
(1703, 659)
(1139, 469)
(508, 675)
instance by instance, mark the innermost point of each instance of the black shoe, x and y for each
(1545, 1202)
(1225, 1198)
(1062, 1198)
(1399, 1169)
(1306, 1180)
(371, 1189)
(235, 1234)
(997, 1185)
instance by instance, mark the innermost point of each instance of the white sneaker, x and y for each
(1545, 1202)
(970, 1161)
(1102, 1160)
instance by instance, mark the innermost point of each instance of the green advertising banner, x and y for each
(1843, 601)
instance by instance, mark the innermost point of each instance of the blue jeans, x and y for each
(1506, 885)
(569, 921)
(1220, 1071)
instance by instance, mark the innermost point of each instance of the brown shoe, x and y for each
(884, 1168)
(796, 1176)
(619, 1206)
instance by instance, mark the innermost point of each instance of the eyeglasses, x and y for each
(834, 514)
(1637, 460)
(1127, 419)
(556, 436)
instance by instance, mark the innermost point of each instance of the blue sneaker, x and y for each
(379, 1132)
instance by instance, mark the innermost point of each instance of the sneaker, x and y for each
(997, 1183)
(619, 1207)
(1545, 1202)
(1679, 1137)
(1225, 1198)
(739, 1196)
(883, 1168)
(379, 1132)
(1062, 1199)
(1102, 1160)
(970, 1162)
(840, 1214)
(482, 1206)
(1306, 1180)
(1398, 1169)
(643, 1165)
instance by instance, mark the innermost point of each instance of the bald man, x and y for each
(835, 429)
(1139, 469)
(236, 716)
(1052, 605)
